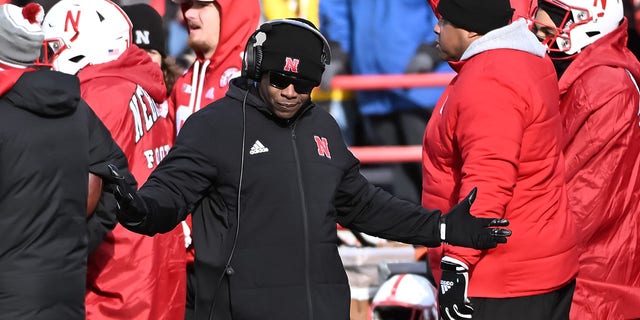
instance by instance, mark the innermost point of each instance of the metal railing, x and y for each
(384, 154)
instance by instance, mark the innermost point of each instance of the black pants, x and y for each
(191, 293)
(404, 127)
(554, 305)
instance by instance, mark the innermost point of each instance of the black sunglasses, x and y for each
(282, 81)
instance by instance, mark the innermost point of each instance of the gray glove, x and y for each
(339, 65)
(424, 60)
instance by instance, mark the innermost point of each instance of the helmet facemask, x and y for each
(51, 49)
(568, 26)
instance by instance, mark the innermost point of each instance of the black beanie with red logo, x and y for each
(292, 50)
(479, 16)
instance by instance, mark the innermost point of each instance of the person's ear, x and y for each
(472, 34)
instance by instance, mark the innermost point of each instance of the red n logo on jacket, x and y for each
(323, 146)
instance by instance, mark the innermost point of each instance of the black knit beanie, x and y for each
(479, 16)
(148, 30)
(292, 50)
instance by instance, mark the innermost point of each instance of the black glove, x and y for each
(459, 228)
(129, 205)
(424, 60)
(452, 296)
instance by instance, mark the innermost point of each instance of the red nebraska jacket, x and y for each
(131, 276)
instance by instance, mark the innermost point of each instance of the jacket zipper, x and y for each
(305, 220)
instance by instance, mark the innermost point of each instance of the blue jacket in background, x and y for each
(381, 37)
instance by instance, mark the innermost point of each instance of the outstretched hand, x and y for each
(128, 202)
(458, 227)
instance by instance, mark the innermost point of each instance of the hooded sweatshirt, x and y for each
(49, 140)
(207, 80)
(498, 128)
(132, 276)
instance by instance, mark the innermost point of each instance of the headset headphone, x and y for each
(252, 61)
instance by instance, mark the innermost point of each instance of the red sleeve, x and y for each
(489, 133)
(109, 111)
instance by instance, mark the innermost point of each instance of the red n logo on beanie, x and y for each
(291, 64)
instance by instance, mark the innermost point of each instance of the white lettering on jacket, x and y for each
(144, 111)
(154, 156)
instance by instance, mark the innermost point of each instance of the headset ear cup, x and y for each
(258, 63)
(248, 60)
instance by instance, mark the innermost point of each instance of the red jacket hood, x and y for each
(238, 20)
(134, 65)
(207, 81)
(610, 50)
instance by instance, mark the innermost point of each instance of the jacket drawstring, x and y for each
(197, 85)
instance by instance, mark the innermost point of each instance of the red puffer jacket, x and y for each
(498, 128)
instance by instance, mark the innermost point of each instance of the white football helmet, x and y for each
(407, 297)
(82, 32)
(583, 23)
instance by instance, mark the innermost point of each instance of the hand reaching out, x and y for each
(128, 202)
(458, 227)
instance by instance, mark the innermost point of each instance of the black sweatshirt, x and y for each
(298, 180)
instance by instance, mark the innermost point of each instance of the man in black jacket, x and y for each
(266, 175)
(49, 142)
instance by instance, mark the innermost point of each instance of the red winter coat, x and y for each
(131, 276)
(497, 127)
(599, 104)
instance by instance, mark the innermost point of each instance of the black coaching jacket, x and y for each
(49, 142)
(266, 195)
